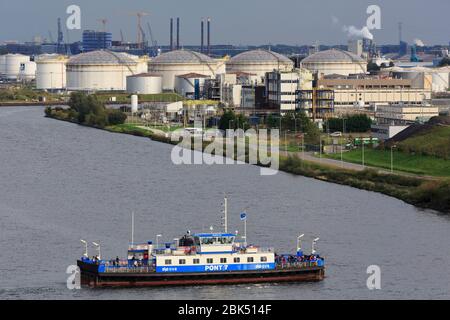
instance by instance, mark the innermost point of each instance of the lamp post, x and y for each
(362, 143)
(157, 240)
(85, 248)
(98, 249)
(313, 250)
(392, 157)
(299, 242)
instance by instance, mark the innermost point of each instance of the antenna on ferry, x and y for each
(132, 227)
(225, 213)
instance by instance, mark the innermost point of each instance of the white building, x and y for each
(405, 114)
(282, 87)
(191, 85)
(386, 131)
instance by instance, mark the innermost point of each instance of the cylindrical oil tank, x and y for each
(440, 81)
(27, 71)
(100, 70)
(180, 62)
(144, 83)
(2, 65)
(51, 72)
(258, 62)
(190, 85)
(13, 64)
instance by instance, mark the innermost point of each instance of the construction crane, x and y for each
(122, 39)
(139, 16)
(152, 40)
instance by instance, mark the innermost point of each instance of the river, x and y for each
(60, 182)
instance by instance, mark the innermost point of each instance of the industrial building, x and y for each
(103, 70)
(51, 72)
(144, 83)
(259, 62)
(365, 93)
(282, 87)
(401, 113)
(181, 62)
(334, 61)
(191, 85)
(96, 40)
(434, 79)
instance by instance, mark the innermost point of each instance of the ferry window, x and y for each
(209, 260)
(223, 260)
(263, 259)
(168, 261)
(237, 260)
(182, 261)
(196, 261)
(250, 259)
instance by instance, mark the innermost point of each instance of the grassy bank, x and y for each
(419, 192)
(413, 163)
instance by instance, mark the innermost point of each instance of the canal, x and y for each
(60, 183)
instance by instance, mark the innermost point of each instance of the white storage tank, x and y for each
(180, 62)
(13, 63)
(2, 65)
(51, 71)
(190, 85)
(102, 70)
(259, 62)
(335, 61)
(144, 83)
(27, 71)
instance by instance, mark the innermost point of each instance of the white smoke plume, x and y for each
(355, 33)
(419, 43)
(352, 31)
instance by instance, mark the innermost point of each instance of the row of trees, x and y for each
(88, 109)
(292, 122)
(354, 123)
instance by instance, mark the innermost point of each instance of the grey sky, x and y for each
(234, 21)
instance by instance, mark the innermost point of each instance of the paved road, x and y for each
(309, 156)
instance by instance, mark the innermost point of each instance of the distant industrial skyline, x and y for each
(250, 22)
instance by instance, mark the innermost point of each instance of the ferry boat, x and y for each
(198, 259)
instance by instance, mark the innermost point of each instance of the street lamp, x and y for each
(299, 242)
(99, 256)
(313, 250)
(392, 157)
(157, 240)
(85, 248)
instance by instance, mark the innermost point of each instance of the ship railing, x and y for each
(299, 264)
(128, 269)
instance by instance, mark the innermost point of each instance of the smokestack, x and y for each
(171, 34)
(202, 35)
(178, 33)
(209, 36)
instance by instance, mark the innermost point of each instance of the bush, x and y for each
(116, 117)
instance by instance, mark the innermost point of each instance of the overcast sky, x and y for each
(234, 21)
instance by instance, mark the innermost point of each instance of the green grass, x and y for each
(417, 164)
(433, 142)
